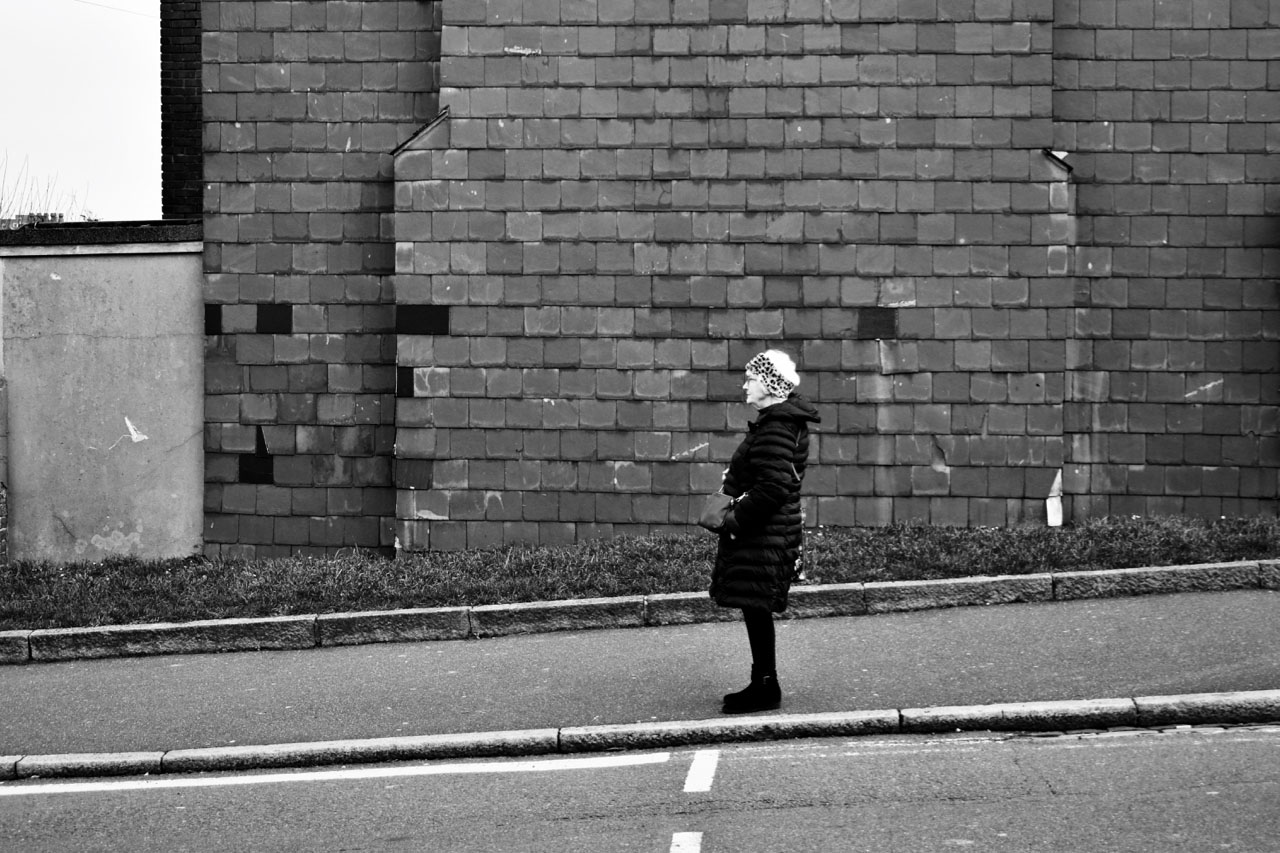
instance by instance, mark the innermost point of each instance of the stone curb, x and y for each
(390, 626)
(479, 745)
(212, 635)
(682, 608)
(1261, 706)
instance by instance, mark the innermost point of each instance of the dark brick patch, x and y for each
(213, 319)
(877, 323)
(422, 319)
(275, 320)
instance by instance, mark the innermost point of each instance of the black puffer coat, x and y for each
(760, 542)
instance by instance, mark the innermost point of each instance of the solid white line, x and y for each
(355, 773)
(702, 772)
(686, 842)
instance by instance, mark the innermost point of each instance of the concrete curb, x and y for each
(478, 745)
(495, 620)
(212, 635)
(1261, 706)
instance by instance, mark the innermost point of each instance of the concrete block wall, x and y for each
(303, 103)
(1170, 112)
(629, 199)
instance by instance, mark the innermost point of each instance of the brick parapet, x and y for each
(180, 109)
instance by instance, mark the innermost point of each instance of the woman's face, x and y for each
(755, 391)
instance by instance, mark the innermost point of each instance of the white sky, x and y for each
(80, 106)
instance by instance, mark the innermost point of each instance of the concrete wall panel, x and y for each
(103, 354)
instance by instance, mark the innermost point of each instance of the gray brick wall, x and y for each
(303, 103)
(628, 200)
(525, 321)
(1170, 110)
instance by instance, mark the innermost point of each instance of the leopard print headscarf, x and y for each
(762, 367)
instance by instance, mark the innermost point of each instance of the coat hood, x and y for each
(796, 407)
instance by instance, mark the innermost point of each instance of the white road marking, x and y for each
(350, 774)
(686, 842)
(702, 772)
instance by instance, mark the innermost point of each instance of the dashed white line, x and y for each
(686, 842)
(702, 772)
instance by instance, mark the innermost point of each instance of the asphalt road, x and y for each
(1098, 648)
(1135, 792)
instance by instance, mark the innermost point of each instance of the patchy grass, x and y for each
(127, 591)
(902, 552)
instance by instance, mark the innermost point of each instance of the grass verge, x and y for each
(129, 591)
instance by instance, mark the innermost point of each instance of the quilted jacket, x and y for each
(760, 542)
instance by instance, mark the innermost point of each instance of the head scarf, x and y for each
(776, 372)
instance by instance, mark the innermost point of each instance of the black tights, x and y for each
(760, 635)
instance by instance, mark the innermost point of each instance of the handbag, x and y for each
(718, 504)
(714, 511)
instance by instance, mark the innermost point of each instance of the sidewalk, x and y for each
(928, 670)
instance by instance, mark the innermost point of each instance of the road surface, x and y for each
(1132, 792)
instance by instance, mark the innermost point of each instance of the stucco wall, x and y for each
(103, 357)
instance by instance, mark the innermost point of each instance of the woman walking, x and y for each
(760, 542)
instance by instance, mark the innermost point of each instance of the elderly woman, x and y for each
(760, 541)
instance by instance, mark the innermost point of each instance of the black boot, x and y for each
(736, 698)
(762, 694)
